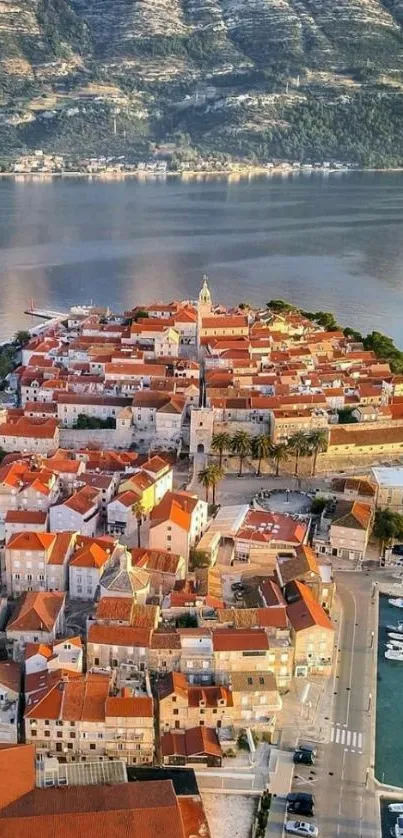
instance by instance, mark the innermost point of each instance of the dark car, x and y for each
(398, 549)
(304, 746)
(303, 757)
(300, 803)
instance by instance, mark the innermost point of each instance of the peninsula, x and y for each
(198, 506)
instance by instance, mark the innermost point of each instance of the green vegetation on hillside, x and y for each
(252, 82)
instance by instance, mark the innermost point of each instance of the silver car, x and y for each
(302, 828)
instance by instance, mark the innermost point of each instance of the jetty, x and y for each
(47, 314)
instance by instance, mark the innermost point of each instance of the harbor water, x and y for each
(389, 708)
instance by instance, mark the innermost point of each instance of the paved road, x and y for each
(345, 806)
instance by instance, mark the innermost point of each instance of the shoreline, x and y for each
(242, 172)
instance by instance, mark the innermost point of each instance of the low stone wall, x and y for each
(103, 437)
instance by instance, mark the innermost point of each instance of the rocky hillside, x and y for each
(255, 79)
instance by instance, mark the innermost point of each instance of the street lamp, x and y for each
(372, 639)
(369, 702)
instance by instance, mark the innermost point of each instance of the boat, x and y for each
(394, 645)
(394, 654)
(396, 807)
(399, 827)
(398, 602)
(394, 636)
(399, 627)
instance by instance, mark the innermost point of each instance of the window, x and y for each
(92, 747)
(96, 661)
(59, 734)
(72, 735)
(33, 732)
(47, 732)
(176, 712)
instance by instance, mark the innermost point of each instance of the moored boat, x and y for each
(399, 827)
(397, 602)
(394, 654)
(396, 807)
(398, 628)
(394, 636)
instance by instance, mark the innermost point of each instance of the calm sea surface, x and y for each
(333, 243)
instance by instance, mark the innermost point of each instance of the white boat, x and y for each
(396, 807)
(399, 827)
(399, 627)
(394, 636)
(394, 654)
(398, 602)
(394, 645)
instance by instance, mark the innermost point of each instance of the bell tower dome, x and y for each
(205, 296)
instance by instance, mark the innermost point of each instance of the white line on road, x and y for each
(348, 738)
(354, 742)
(338, 735)
(343, 737)
(360, 740)
(332, 735)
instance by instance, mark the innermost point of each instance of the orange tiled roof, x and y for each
(36, 541)
(176, 507)
(238, 640)
(30, 428)
(306, 612)
(37, 611)
(137, 707)
(155, 560)
(25, 516)
(10, 675)
(119, 636)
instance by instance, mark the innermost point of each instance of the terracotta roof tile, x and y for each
(37, 611)
(119, 636)
(306, 612)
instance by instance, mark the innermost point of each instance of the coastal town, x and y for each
(200, 507)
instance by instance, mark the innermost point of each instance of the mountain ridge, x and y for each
(248, 79)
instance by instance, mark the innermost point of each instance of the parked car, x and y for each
(302, 828)
(304, 746)
(237, 586)
(301, 803)
(303, 757)
(398, 549)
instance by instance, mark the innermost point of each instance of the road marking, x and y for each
(350, 739)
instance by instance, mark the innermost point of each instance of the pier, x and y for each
(47, 314)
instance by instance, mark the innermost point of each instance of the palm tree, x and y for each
(216, 474)
(204, 478)
(221, 442)
(261, 447)
(241, 446)
(387, 526)
(318, 441)
(279, 453)
(299, 445)
(138, 511)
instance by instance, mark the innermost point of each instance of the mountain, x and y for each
(253, 79)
